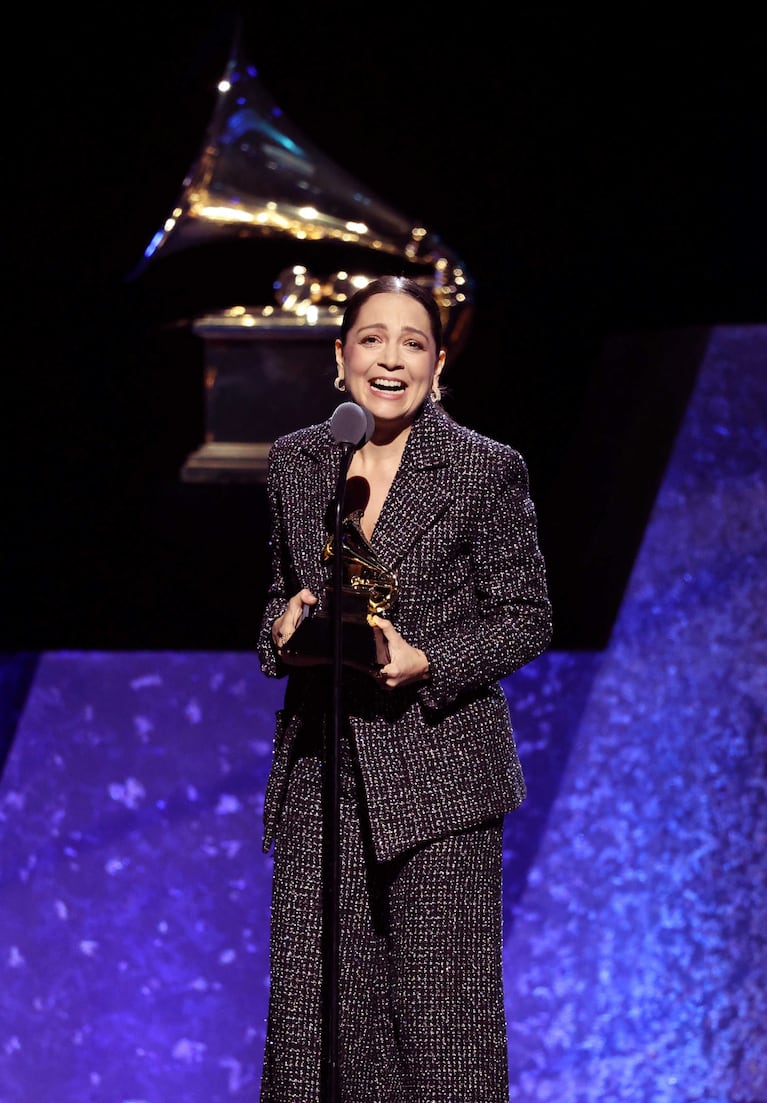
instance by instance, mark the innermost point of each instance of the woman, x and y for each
(429, 765)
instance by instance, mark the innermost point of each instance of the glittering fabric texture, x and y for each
(421, 1013)
(431, 766)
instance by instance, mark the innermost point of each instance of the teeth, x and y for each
(388, 384)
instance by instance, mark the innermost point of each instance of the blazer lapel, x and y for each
(321, 460)
(419, 494)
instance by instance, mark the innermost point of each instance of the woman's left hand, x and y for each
(407, 664)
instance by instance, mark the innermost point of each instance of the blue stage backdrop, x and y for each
(134, 902)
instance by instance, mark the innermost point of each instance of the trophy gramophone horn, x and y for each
(366, 575)
(323, 232)
(370, 588)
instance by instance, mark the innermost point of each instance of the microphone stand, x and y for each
(329, 1089)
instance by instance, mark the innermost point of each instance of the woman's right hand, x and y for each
(284, 626)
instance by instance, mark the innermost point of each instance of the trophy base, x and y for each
(312, 645)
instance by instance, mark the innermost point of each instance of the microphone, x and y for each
(352, 424)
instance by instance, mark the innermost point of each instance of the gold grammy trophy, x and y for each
(269, 214)
(369, 589)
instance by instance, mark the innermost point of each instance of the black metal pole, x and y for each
(329, 1089)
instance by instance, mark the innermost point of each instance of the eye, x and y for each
(414, 343)
(369, 339)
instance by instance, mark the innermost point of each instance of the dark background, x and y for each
(602, 177)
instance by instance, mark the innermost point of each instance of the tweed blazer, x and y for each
(459, 529)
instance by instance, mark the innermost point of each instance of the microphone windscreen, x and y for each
(351, 424)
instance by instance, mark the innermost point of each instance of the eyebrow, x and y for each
(405, 329)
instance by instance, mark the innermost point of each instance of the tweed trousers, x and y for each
(420, 987)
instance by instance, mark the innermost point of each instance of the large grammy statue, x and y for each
(315, 234)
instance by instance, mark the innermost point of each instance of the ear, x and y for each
(440, 364)
(339, 357)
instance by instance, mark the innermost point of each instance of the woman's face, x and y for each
(390, 360)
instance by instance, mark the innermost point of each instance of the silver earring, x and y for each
(436, 392)
(339, 383)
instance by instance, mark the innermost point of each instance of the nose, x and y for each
(390, 358)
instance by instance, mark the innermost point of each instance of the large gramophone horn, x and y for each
(257, 177)
(313, 235)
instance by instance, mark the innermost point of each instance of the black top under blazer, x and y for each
(459, 529)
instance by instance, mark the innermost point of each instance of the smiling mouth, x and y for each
(391, 386)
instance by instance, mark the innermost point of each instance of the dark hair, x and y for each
(396, 285)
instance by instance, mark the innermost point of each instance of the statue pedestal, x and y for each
(264, 376)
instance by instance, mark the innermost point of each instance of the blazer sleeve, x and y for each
(508, 622)
(277, 595)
